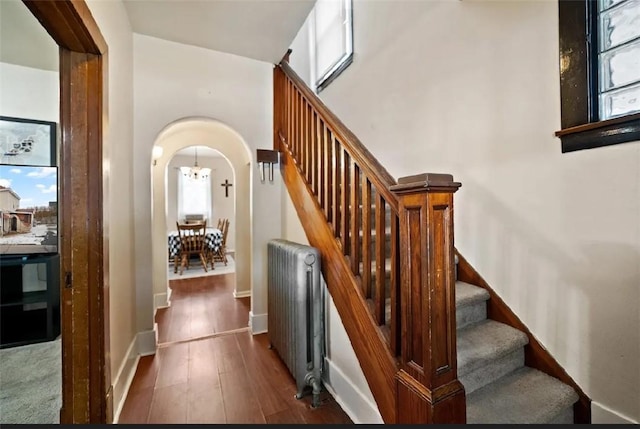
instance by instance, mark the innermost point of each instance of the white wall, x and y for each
(118, 196)
(29, 93)
(221, 206)
(472, 88)
(300, 59)
(174, 81)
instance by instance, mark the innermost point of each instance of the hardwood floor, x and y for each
(202, 306)
(209, 368)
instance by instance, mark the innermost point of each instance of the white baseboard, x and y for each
(258, 323)
(143, 344)
(147, 343)
(603, 414)
(358, 407)
(160, 300)
(123, 379)
(242, 294)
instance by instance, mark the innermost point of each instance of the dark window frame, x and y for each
(581, 126)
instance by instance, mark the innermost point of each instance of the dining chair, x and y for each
(220, 255)
(192, 242)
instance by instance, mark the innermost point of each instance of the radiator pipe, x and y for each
(316, 385)
(315, 380)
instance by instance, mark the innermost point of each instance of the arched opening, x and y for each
(212, 134)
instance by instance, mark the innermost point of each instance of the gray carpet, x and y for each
(31, 383)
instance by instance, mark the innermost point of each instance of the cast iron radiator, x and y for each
(295, 305)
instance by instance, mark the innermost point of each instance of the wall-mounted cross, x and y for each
(226, 185)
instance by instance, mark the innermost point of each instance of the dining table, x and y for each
(212, 239)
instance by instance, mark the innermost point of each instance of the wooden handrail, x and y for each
(383, 180)
(387, 255)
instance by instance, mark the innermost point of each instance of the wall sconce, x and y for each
(270, 157)
(156, 154)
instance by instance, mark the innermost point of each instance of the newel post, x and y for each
(427, 385)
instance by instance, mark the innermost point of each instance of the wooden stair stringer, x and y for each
(375, 358)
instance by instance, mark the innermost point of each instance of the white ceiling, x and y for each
(203, 152)
(258, 29)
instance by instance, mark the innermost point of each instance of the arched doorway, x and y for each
(220, 137)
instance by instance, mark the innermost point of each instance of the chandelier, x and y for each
(196, 172)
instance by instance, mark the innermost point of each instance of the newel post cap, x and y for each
(430, 182)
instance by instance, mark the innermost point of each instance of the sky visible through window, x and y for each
(36, 186)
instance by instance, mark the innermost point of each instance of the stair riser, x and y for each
(471, 314)
(564, 417)
(494, 370)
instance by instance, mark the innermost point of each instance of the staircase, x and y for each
(500, 388)
(498, 385)
(434, 341)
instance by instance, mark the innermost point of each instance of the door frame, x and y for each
(87, 394)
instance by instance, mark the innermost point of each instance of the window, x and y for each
(194, 196)
(599, 72)
(332, 40)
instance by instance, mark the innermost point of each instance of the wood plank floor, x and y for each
(202, 306)
(209, 368)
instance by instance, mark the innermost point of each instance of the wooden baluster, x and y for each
(366, 237)
(304, 141)
(381, 260)
(298, 127)
(427, 387)
(300, 130)
(337, 188)
(298, 140)
(312, 154)
(354, 218)
(315, 161)
(308, 144)
(318, 162)
(322, 172)
(345, 213)
(290, 137)
(294, 137)
(328, 175)
(289, 112)
(394, 286)
(292, 118)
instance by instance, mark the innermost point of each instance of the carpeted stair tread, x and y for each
(524, 396)
(481, 343)
(468, 294)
